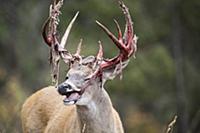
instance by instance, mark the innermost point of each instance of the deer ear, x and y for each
(111, 73)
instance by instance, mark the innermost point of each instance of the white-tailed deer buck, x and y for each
(80, 104)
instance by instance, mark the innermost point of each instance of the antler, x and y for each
(126, 44)
(50, 37)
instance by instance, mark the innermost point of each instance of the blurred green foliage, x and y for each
(147, 96)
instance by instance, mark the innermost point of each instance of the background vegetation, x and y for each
(162, 81)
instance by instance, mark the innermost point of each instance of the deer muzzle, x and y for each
(72, 93)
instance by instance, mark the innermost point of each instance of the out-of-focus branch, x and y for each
(170, 126)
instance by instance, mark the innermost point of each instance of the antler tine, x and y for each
(50, 25)
(65, 36)
(100, 53)
(78, 51)
(129, 37)
(110, 34)
(119, 30)
(128, 33)
(54, 2)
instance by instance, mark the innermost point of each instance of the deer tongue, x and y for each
(74, 96)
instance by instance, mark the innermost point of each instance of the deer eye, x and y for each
(66, 78)
(86, 79)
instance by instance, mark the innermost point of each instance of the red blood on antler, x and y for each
(126, 44)
(51, 39)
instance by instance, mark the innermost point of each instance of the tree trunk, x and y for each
(177, 45)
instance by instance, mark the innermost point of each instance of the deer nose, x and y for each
(64, 88)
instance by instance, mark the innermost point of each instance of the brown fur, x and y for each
(44, 112)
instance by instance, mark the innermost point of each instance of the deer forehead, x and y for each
(80, 71)
(84, 68)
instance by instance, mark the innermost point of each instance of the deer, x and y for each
(79, 104)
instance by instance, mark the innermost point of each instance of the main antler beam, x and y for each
(51, 39)
(126, 45)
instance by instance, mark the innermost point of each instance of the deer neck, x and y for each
(97, 116)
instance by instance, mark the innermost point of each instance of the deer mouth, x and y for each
(72, 97)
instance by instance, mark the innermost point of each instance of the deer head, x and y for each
(87, 75)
